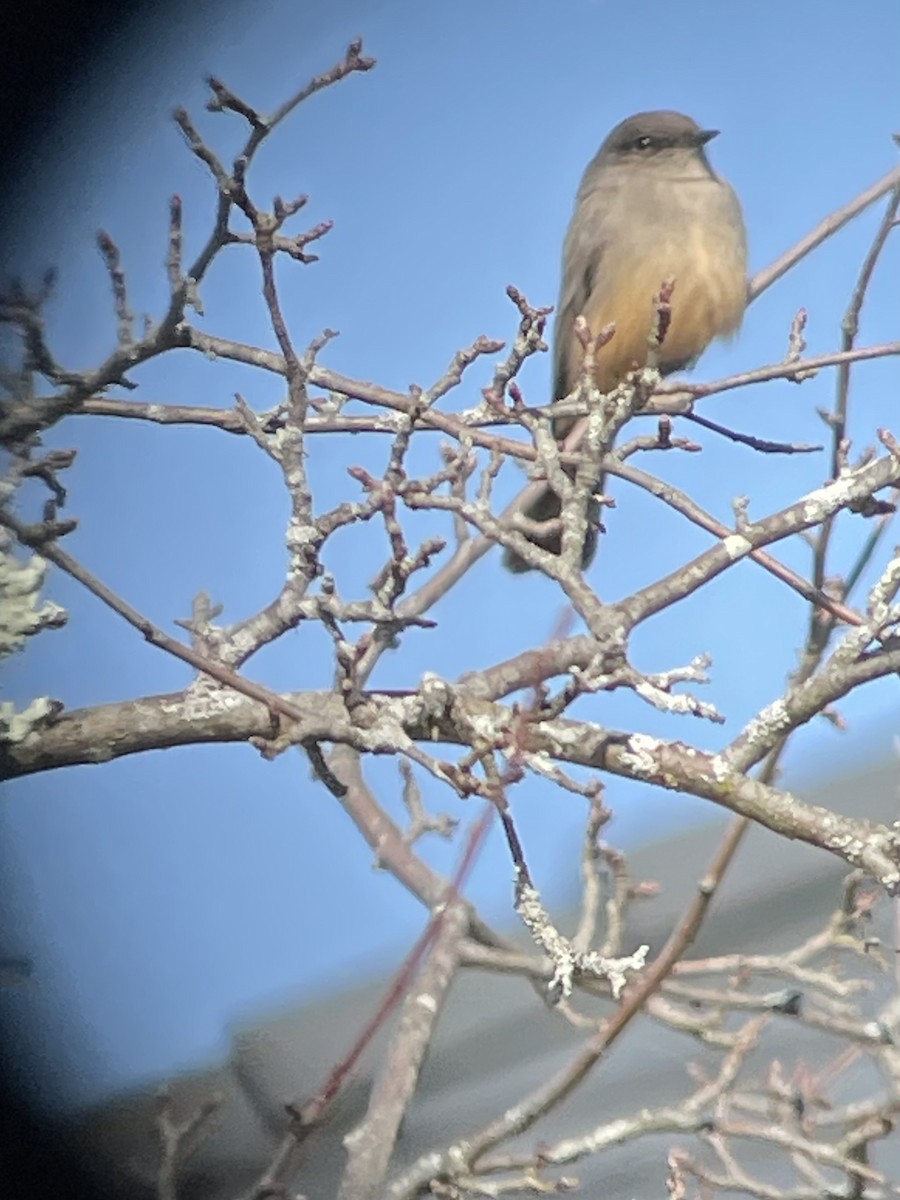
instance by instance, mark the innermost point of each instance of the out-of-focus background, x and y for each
(160, 899)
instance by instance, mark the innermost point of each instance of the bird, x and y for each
(649, 208)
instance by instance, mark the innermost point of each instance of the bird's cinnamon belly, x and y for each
(708, 301)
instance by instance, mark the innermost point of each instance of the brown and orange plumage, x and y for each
(649, 208)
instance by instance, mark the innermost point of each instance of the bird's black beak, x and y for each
(706, 135)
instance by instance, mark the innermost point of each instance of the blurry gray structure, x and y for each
(497, 1040)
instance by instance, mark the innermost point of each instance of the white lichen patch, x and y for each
(16, 726)
(615, 969)
(21, 614)
(205, 697)
(435, 694)
(485, 728)
(563, 738)
(640, 755)
(771, 720)
(736, 546)
(720, 768)
(824, 500)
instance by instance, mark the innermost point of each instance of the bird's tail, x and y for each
(545, 507)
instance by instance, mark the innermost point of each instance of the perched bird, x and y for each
(649, 208)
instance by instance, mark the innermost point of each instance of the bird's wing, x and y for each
(583, 252)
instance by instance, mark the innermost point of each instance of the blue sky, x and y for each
(162, 897)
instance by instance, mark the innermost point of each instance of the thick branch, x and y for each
(385, 724)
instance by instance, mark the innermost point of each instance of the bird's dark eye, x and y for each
(641, 143)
